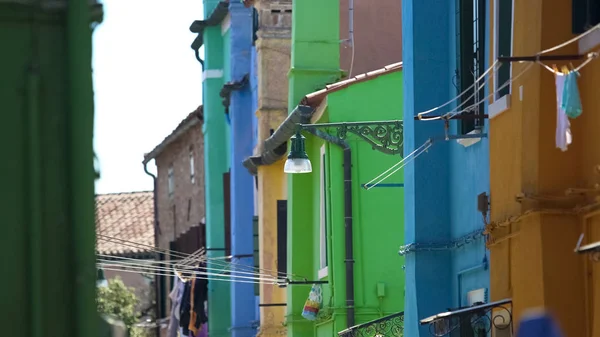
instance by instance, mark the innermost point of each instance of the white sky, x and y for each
(146, 80)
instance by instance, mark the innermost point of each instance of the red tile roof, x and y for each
(317, 97)
(125, 216)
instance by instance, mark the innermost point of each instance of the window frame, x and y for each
(590, 17)
(170, 181)
(192, 167)
(466, 26)
(323, 263)
(497, 48)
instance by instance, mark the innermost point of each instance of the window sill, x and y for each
(589, 42)
(323, 273)
(499, 106)
(466, 142)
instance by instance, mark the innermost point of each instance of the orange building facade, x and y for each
(543, 198)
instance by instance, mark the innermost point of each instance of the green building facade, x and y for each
(316, 200)
(315, 62)
(377, 213)
(47, 105)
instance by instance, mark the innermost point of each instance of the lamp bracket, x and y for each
(384, 136)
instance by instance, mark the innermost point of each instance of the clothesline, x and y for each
(216, 261)
(456, 111)
(423, 148)
(138, 245)
(129, 262)
(399, 165)
(496, 62)
(197, 271)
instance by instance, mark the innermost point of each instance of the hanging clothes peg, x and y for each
(555, 68)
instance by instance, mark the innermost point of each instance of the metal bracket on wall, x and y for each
(284, 282)
(592, 248)
(384, 136)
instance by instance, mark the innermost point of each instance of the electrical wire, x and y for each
(353, 49)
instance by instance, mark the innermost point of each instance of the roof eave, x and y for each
(169, 140)
(314, 99)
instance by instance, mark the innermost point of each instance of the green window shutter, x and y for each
(282, 237)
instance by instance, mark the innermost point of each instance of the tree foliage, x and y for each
(119, 301)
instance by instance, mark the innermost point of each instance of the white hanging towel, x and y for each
(563, 126)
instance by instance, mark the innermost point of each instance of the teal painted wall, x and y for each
(227, 78)
(216, 159)
(378, 213)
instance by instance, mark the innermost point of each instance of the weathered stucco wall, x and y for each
(532, 259)
(272, 65)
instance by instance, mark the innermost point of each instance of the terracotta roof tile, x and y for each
(315, 98)
(125, 216)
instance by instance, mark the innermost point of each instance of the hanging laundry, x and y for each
(184, 310)
(176, 296)
(203, 332)
(571, 101)
(199, 295)
(563, 126)
(313, 303)
(538, 324)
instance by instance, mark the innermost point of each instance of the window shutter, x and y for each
(282, 236)
(256, 253)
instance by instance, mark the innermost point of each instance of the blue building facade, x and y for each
(241, 118)
(229, 95)
(445, 49)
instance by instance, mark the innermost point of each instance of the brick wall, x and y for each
(185, 207)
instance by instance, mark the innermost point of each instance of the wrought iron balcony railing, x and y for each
(475, 321)
(388, 326)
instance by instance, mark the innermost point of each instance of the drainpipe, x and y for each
(156, 233)
(351, 22)
(349, 238)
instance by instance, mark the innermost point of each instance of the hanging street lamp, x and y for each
(297, 161)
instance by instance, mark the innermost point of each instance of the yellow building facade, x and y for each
(542, 198)
(273, 47)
